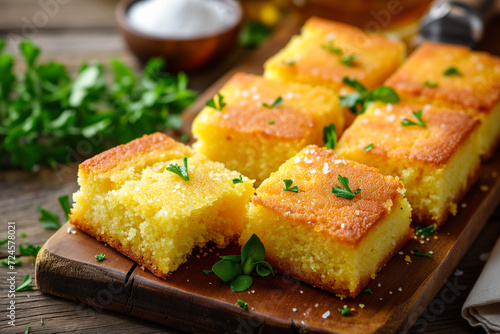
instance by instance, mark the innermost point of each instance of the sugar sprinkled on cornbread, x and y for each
(129, 200)
(436, 160)
(254, 137)
(455, 77)
(331, 242)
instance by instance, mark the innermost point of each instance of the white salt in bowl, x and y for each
(189, 47)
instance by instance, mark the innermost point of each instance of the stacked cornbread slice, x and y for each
(437, 160)
(129, 200)
(328, 241)
(454, 77)
(263, 122)
(326, 52)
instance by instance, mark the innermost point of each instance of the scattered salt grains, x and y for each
(325, 169)
(68, 230)
(73, 232)
(296, 160)
(256, 96)
(458, 272)
(301, 292)
(380, 298)
(345, 306)
(379, 285)
(326, 315)
(294, 309)
(389, 107)
(313, 171)
(316, 305)
(342, 225)
(401, 253)
(390, 118)
(390, 292)
(427, 239)
(289, 95)
(463, 205)
(377, 111)
(400, 289)
(253, 291)
(308, 161)
(422, 242)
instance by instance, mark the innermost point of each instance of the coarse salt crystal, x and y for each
(73, 232)
(379, 285)
(69, 230)
(294, 309)
(316, 305)
(297, 160)
(326, 315)
(325, 169)
(399, 289)
(313, 171)
(307, 161)
(301, 292)
(342, 225)
(401, 253)
(390, 118)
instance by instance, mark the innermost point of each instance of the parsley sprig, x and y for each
(44, 111)
(348, 60)
(418, 252)
(276, 103)
(420, 121)
(344, 311)
(182, 171)
(29, 250)
(368, 147)
(430, 84)
(100, 257)
(236, 269)
(50, 220)
(346, 193)
(238, 179)
(288, 184)
(329, 47)
(218, 104)
(330, 136)
(242, 304)
(25, 285)
(359, 100)
(426, 231)
(450, 71)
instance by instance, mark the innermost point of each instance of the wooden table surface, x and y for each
(73, 31)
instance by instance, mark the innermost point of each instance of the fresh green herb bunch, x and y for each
(236, 269)
(358, 101)
(48, 118)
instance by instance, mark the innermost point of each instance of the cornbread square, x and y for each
(129, 200)
(475, 89)
(255, 140)
(315, 57)
(437, 164)
(327, 241)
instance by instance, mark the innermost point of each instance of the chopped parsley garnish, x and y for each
(7, 262)
(348, 60)
(272, 123)
(288, 184)
(25, 285)
(182, 171)
(28, 330)
(330, 136)
(426, 231)
(29, 250)
(418, 252)
(242, 304)
(50, 220)
(358, 101)
(289, 62)
(329, 47)
(418, 115)
(41, 321)
(368, 147)
(100, 257)
(238, 179)
(347, 192)
(276, 103)
(368, 291)
(217, 105)
(3, 242)
(236, 269)
(452, 71)
(430, 84)
(344, 311)
(207, 272)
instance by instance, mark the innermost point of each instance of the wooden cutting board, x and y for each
(192, 301)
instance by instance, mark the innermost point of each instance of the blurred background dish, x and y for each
(188, 34)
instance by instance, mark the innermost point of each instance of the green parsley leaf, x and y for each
(49, 219)
(217, 105)
(41, 321)
(348, 60)
(29, 250)
(25, 285)
(242, 304)
(288, 184)
(238, 179)
(207, 272)
(368, 291)
(347, 192)
(329, 47)
(418, 252)
(6, 262)
(241, 283)
(276, 103)
(358, 101)
(236, 269)
(430, 84)
(426, 231)
(418, 115)
(100, 257)
(185, 138)
(368, 147)
(64, 201)
(3, 242)
(28, 330)
(182, 171)
(272, 123)
(344, 311)
(330, 136)
(450, 71)
(23, 235)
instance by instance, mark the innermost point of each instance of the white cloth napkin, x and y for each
(482, 307)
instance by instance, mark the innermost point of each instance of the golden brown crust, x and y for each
(478, 86)
(446, 130)
(345, 220)
(287, 268)
(138, 148)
